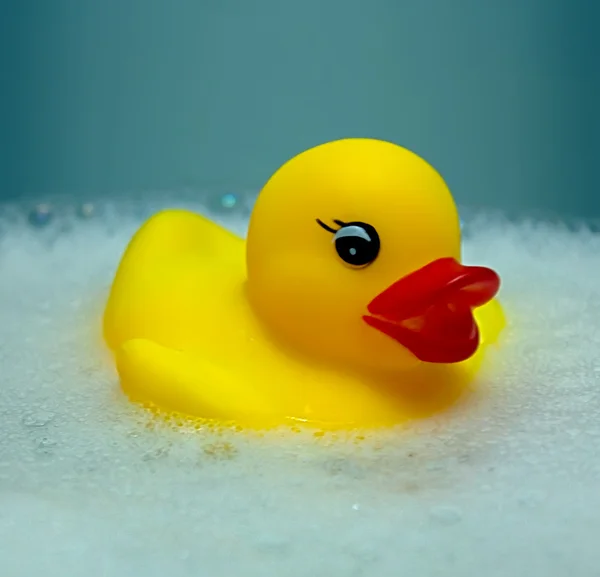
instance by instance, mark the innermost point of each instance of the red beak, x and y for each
(429, 311)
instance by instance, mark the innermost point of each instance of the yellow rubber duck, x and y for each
(346, 307)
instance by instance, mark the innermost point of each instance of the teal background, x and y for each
(112, 96)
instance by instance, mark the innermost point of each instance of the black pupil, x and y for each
(352, 246)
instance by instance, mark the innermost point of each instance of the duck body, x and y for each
(199, 326)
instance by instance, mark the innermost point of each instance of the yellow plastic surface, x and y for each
(269, 330)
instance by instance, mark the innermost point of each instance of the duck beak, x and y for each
(430, 311)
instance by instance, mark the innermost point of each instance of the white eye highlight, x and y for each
(352, 230)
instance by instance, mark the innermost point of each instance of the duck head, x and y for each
(354, 258)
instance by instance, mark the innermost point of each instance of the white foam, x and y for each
(506, 483)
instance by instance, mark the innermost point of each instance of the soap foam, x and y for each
(505, 483)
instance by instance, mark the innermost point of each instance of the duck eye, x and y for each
(357, 243)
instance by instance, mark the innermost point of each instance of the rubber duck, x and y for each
(346, 306)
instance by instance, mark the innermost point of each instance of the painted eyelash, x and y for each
(340, 223)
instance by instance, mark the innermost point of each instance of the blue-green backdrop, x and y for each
(111, 96)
